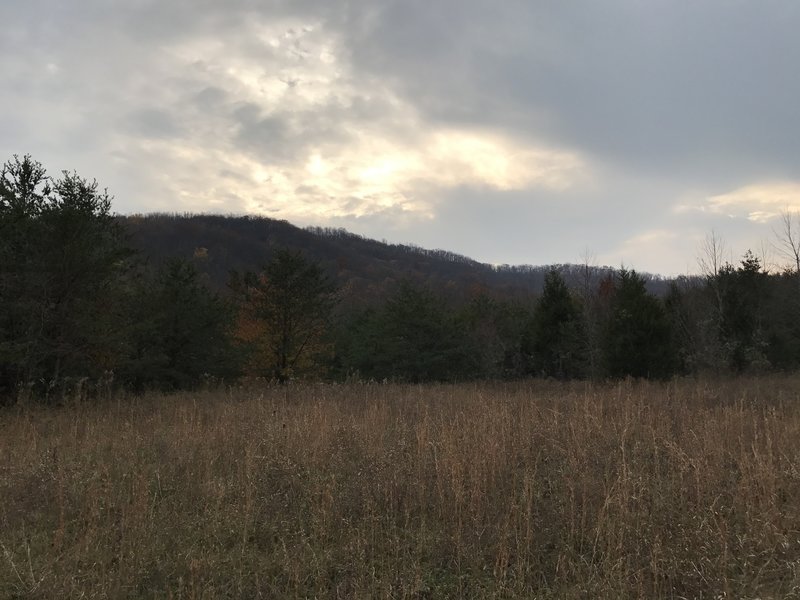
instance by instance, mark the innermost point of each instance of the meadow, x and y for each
(685, 489)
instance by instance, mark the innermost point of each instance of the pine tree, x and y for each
(413, 337)
(181, 332)
(556, 340)
(61, 256)
(638, 339)
(743, 293)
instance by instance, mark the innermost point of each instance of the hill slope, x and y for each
(366, 268)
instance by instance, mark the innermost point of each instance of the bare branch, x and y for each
(765, 256)
(588, 270)
(711, 255)
(787, 237)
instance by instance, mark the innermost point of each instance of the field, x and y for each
(688, 489)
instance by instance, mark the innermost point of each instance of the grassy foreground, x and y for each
(531, 490)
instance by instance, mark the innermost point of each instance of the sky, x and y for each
(621, 132)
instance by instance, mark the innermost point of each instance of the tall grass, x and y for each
(532, 490)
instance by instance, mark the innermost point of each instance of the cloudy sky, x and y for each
(521, 131)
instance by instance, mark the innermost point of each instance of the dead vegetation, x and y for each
(529, 490)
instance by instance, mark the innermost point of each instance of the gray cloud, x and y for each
(417, 121)
(152, 122)
(691, 86)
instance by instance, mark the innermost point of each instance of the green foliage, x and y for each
(61, 253)
(781, 323)
(180, 333)
(743, 292)
(638, 337)
(556, 338)
(683, 332)
(413, 337)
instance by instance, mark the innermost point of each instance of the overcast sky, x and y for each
(521, 131)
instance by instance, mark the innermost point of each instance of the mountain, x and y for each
(365, 269)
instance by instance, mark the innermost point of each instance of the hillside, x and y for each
(366, 268)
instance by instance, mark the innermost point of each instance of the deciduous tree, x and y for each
(289, 306)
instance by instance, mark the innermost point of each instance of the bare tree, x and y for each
(711, 261)
(787, 237)
(764, 254)
(712, 251)
(591, 310)
(588, 272)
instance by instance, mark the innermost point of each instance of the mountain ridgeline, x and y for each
(367, 270)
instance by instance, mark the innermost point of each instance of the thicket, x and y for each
(82, 313)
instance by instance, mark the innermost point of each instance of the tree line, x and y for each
(82, 312)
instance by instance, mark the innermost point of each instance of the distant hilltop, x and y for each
(367, 268)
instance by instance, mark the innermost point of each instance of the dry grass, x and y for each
(536, 490)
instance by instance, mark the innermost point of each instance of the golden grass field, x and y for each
(688, 489)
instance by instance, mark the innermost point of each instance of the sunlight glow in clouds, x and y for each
(661, 245)
(372, 175)
(359, 167)
(292, 64)
(760, 202)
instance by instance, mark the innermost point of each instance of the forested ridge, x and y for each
(91, 301)
(217, 244)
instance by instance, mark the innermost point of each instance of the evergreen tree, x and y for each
(555, 340)
(181, 332)
(682, 330)
(413, 337)
(638, 339)
(743, 293)
(61, 256)
(782, 326)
